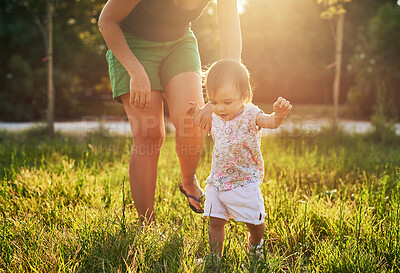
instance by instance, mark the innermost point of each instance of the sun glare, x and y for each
(242, 4)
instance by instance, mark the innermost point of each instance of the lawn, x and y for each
(332, 203)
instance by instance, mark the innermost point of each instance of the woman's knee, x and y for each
(154, 136)
(184, 128)
(149, 142)
(146, 127)
(148, 147)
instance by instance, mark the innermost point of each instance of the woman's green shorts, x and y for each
(161, 61)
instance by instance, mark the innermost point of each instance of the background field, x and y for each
(332, 199)
(332, 202)
(288, 53)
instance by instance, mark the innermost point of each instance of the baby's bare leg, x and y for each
(217, 235)
(256, 233)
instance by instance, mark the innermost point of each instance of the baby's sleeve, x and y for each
(253, 112)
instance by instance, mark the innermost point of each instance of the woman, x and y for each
(153, 53)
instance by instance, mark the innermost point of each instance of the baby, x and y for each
(233, 187)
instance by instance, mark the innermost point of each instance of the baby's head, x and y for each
(228, 88)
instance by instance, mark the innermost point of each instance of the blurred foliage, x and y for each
(376, 65)
(383, 123)
(79, 63)
(286, 46)
(332, 7)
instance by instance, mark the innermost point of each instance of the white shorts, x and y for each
(244, 204)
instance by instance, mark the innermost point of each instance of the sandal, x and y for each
(193, 197)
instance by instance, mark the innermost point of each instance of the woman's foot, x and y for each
(193, 192)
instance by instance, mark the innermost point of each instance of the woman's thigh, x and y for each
(146, 124)
(179, 91)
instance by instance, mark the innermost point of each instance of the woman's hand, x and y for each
(202, 117)
(140, 91)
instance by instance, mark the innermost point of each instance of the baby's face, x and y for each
(226, 102)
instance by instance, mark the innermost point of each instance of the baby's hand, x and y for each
(202, 117)
(281, 107)
(193, 109)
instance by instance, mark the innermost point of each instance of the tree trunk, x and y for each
(338, 59)
(50, 86)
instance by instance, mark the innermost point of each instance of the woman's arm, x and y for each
(109, 23)
(229, 29)
(231, 48)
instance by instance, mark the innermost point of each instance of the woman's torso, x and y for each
(161, 20)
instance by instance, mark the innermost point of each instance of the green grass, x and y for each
(332, 202)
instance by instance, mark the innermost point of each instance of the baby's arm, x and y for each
(281, 108)
(202, 120)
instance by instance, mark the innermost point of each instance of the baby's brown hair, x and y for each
(225, 72)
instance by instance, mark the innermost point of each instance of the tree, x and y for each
(335, 9)
(48, 43)
(50, 85)
(79, 65)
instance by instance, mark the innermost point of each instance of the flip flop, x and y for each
(193, 197)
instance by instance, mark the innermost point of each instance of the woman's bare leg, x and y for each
(147, 127)
(181, 89)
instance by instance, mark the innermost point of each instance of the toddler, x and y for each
(237, 171)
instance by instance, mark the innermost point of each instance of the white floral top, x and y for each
(237, 158)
